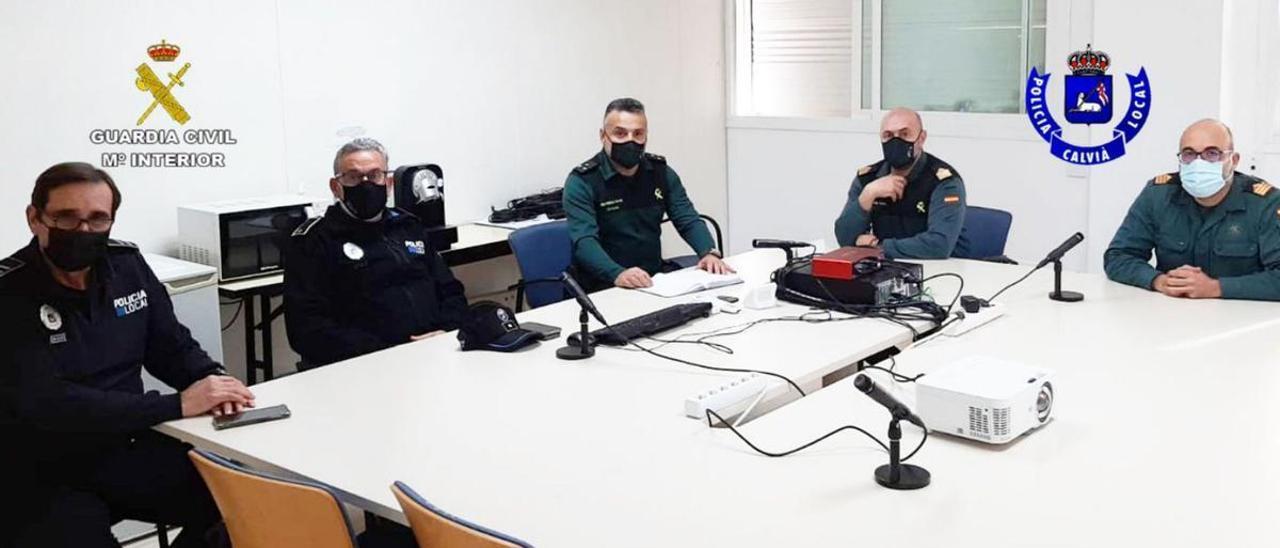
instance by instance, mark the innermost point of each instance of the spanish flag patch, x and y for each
(953, 199)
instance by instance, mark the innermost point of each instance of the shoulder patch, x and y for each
(306, 226)
(865, 170)
(587, 166)
(1261, 188)
(943, 174)
(11, 264)
(121, 244)
(655, 157)
(1162, 179)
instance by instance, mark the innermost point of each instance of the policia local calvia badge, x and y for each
(1088, 100)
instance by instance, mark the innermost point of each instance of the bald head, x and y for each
(1207, 133)
(901, 122)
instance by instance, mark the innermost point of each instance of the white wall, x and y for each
(788, 178)
(506, 95)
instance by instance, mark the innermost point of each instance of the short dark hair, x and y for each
(625, 104)
(68, 173)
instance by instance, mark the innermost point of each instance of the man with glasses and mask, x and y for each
(364, 277)
(82, 315)
(911, 204)
(1215, 231)
(615, 202)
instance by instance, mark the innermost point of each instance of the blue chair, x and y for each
(686, 261)
(987, 230)
(542, 251)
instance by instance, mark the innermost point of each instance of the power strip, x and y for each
(983, 316)
(730, 398)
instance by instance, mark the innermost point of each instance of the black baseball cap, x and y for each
(491, 326)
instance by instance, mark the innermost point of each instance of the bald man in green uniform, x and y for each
(615, 202)
(1215, 231)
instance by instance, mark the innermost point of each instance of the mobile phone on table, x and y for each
(251, 416)
(545, 332)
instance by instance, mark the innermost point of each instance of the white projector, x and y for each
(985, 399)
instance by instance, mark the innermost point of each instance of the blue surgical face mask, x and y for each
(1201, 179)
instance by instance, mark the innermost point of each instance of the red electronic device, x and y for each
(840, 264)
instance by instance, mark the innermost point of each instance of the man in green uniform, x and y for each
(1215, 231)
(911, 204)
(615, 202)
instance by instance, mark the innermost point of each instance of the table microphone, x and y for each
(581, 296)
(1056, 254)
(769, 243)
(896, 474)
(895, 407)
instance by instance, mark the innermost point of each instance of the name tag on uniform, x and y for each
(611, 205)
(57, 338)
(416, 247)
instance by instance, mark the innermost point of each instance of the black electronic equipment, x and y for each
(889, 283)
(648, 324)
(419, 189)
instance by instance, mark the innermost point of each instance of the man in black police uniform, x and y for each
(363, 277)
(911, 204)
(82, 315)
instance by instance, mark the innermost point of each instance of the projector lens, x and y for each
(1044, 402)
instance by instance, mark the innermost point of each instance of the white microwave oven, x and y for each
(241, 238)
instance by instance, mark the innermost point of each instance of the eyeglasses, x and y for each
(71, 221)
(1211, 154)
(353, 178)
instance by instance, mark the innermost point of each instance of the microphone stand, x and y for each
(585, 348)
(897, 475)
(1058, 294)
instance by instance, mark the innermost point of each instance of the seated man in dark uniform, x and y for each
(615, 202)
(364, 277)
(1215, 231)
(82, 316)
(911, 204)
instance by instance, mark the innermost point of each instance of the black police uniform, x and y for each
(77, 453)
(351, 287)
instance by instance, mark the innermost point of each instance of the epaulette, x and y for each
(587, 166)
(306, 226)
(943, 174)
(397, 213)
(1261, 188)
(655, 157)
(121, 244)
(865, 170)
(1162, 179)
(11, 264)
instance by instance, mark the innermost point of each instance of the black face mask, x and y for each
(365, 200)
(899, 153)
(73, 250)
(627, 154)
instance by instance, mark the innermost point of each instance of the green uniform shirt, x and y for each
(1237, 242)
(927, 223)
(615, 221)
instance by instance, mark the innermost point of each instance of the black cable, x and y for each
(234, 317)
(1016, 282)
(897, 377)
(757, 449)
(958, 291)
(917, 449)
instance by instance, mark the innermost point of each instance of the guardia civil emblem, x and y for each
(1088, 99)
(160, 91)
(352, 251)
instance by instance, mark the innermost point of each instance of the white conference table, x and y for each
(598, 453)
(1164, 433)
(524, 424)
